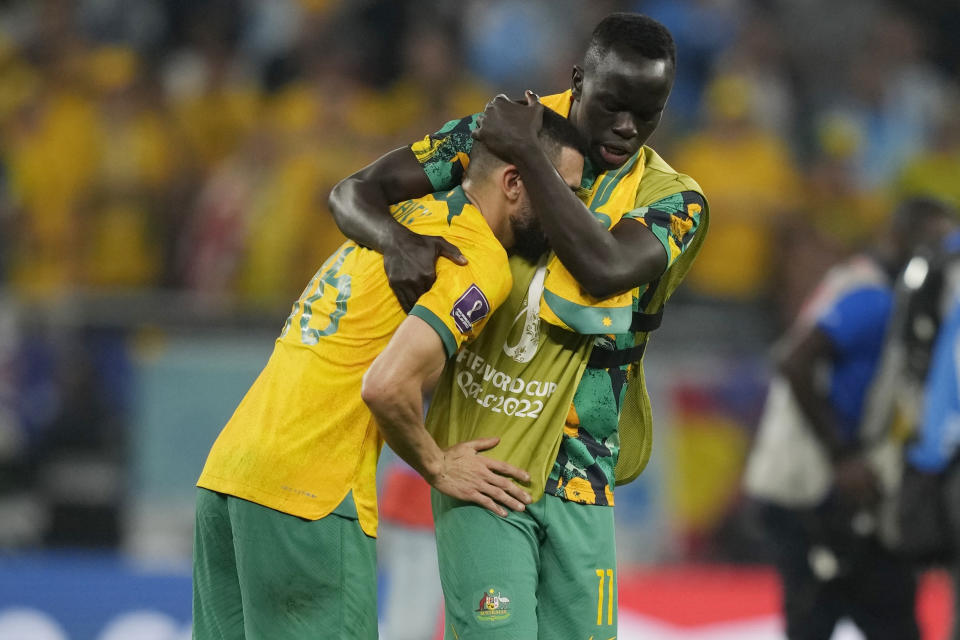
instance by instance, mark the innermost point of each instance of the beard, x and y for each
(529, 240)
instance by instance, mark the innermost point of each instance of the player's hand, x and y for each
(410, 263)
(856, 482)
(468, 476)
(507, 127)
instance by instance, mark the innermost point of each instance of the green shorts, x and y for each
(547, 572)
(262, 574)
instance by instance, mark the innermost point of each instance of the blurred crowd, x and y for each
(189, 145)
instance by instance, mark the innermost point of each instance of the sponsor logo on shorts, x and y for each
(470, 308)
(493, 606)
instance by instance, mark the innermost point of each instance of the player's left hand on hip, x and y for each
(470, 477)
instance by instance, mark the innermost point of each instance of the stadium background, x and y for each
(163, 175)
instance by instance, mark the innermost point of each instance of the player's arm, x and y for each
(603, 262)
(801, 365)
(393, 388)
(360, 206)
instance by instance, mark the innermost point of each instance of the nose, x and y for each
(625, 126)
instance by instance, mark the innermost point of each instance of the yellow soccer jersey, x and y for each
(302, 438)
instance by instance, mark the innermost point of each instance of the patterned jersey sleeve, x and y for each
(463, 298)
(444, 154)
(674, 221)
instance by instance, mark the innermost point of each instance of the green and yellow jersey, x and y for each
(585, 452)
(302, 439)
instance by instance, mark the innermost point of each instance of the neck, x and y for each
(492, 209)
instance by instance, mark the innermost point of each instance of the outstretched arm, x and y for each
(393, 388)
(603, 262)
(360, 206)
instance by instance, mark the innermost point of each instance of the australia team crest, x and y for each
(493, 606)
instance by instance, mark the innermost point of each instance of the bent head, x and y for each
(622, 86)
(564, 146)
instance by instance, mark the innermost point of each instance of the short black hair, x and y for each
(556, 133)
(634, 32)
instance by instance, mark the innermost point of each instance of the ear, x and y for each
(510, 183)
(576, 83)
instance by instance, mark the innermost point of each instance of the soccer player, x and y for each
(562, 358)
(286, 507)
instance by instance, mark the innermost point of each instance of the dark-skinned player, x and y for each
(557, 375)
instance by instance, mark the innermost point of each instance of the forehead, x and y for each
(631, 77)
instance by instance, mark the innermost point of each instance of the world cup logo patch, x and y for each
(470, 308)
(493, 606)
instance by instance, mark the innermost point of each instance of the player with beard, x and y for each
(286, 514)
(557, 375)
